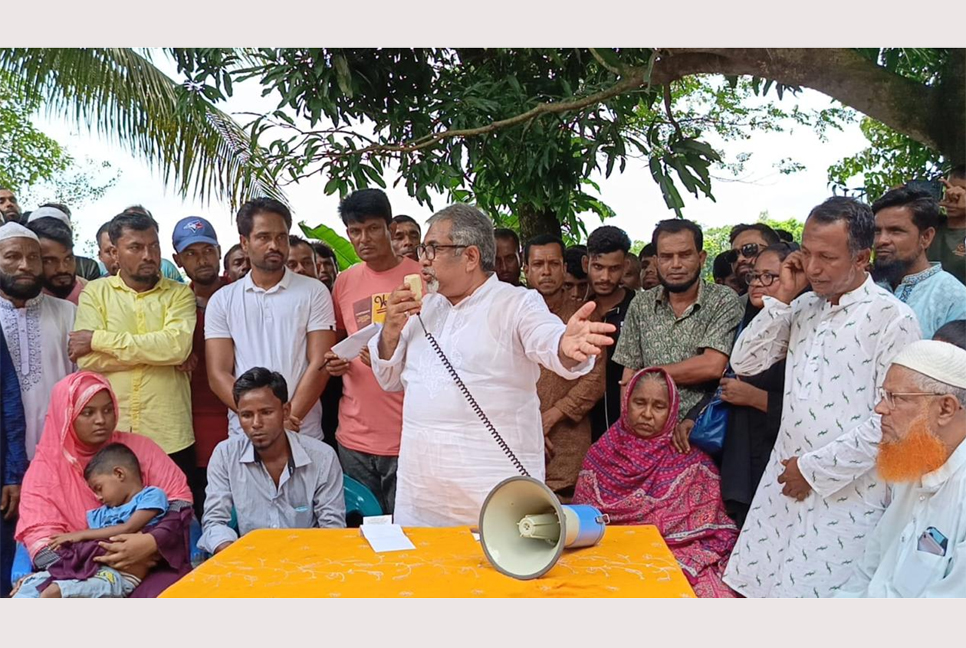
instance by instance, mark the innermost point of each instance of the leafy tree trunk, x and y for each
(534, 221)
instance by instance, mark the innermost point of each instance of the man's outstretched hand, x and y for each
(584, 338)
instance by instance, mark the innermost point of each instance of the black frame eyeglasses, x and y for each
(428, 250)
(764, 278)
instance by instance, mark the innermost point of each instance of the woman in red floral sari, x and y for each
(635, 476)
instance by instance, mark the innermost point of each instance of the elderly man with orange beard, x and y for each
(918, 548)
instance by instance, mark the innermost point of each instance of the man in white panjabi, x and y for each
(820, 496)
(918, 548)
(35, 325)
(496, 336)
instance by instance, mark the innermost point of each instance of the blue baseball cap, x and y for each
(191, 230)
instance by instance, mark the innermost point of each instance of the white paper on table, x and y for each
(351, 347)
(386, 537)
(377, 519)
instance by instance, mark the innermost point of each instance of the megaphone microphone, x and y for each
(524, 528)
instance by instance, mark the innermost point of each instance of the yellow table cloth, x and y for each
(631, 561)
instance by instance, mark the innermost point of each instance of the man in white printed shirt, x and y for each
(497, 336)
(820, 496)
(919, 547)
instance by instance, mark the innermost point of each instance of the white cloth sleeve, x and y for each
(765, 340)
(322, 313)
(837, 464)
(216, 317)
(388, 373)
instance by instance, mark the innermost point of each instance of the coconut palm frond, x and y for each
(118, 92)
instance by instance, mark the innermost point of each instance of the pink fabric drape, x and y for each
(55, 497)
(646, 481)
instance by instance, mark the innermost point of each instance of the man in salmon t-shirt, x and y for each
(370, 419)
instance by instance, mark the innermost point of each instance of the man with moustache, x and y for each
(57, 254)
(269, 477)
(196, 251)
(301, 258)
(507, 256)
(406, 235)
(237, 264)
(685, 325)
(85, 268)
(328, 265)
(605, 264)
(575, 285)
(9, 209)
(905, 224)
(820, 497)
(370, 419)
(746, 242)
(648, 257)
(35, 326)
(106, 255)
(135, 328)
(918, 549)
(105, 251)
(564, 404)
(270, 317)
(496, 336)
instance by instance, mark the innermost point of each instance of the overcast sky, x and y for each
(633, 195)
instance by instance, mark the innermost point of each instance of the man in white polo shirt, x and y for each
(271, 318)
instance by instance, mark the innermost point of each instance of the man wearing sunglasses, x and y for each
(746, 242)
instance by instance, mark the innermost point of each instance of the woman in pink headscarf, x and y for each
(55, 497)
(635, 476)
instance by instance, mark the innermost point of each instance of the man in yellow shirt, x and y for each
(136, 328)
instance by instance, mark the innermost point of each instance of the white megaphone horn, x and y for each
(524, 528)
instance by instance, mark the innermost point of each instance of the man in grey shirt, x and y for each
(272, 478)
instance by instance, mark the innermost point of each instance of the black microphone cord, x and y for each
(472, 401)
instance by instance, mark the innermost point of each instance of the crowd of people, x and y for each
(134, 401)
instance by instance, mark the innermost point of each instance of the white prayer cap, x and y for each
(16, 230)
(49, 212)
(937, 360)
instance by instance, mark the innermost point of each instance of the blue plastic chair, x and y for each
(359, 502)
(21, 564)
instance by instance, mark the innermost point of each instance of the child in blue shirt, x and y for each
(114, 474)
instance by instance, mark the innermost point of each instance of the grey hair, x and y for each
(470, 226)
(927, 384)
(858, 217)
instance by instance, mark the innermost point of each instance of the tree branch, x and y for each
(921, 112)
(627, 84)
(903, 104)
(604, 64)
(670, 113)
